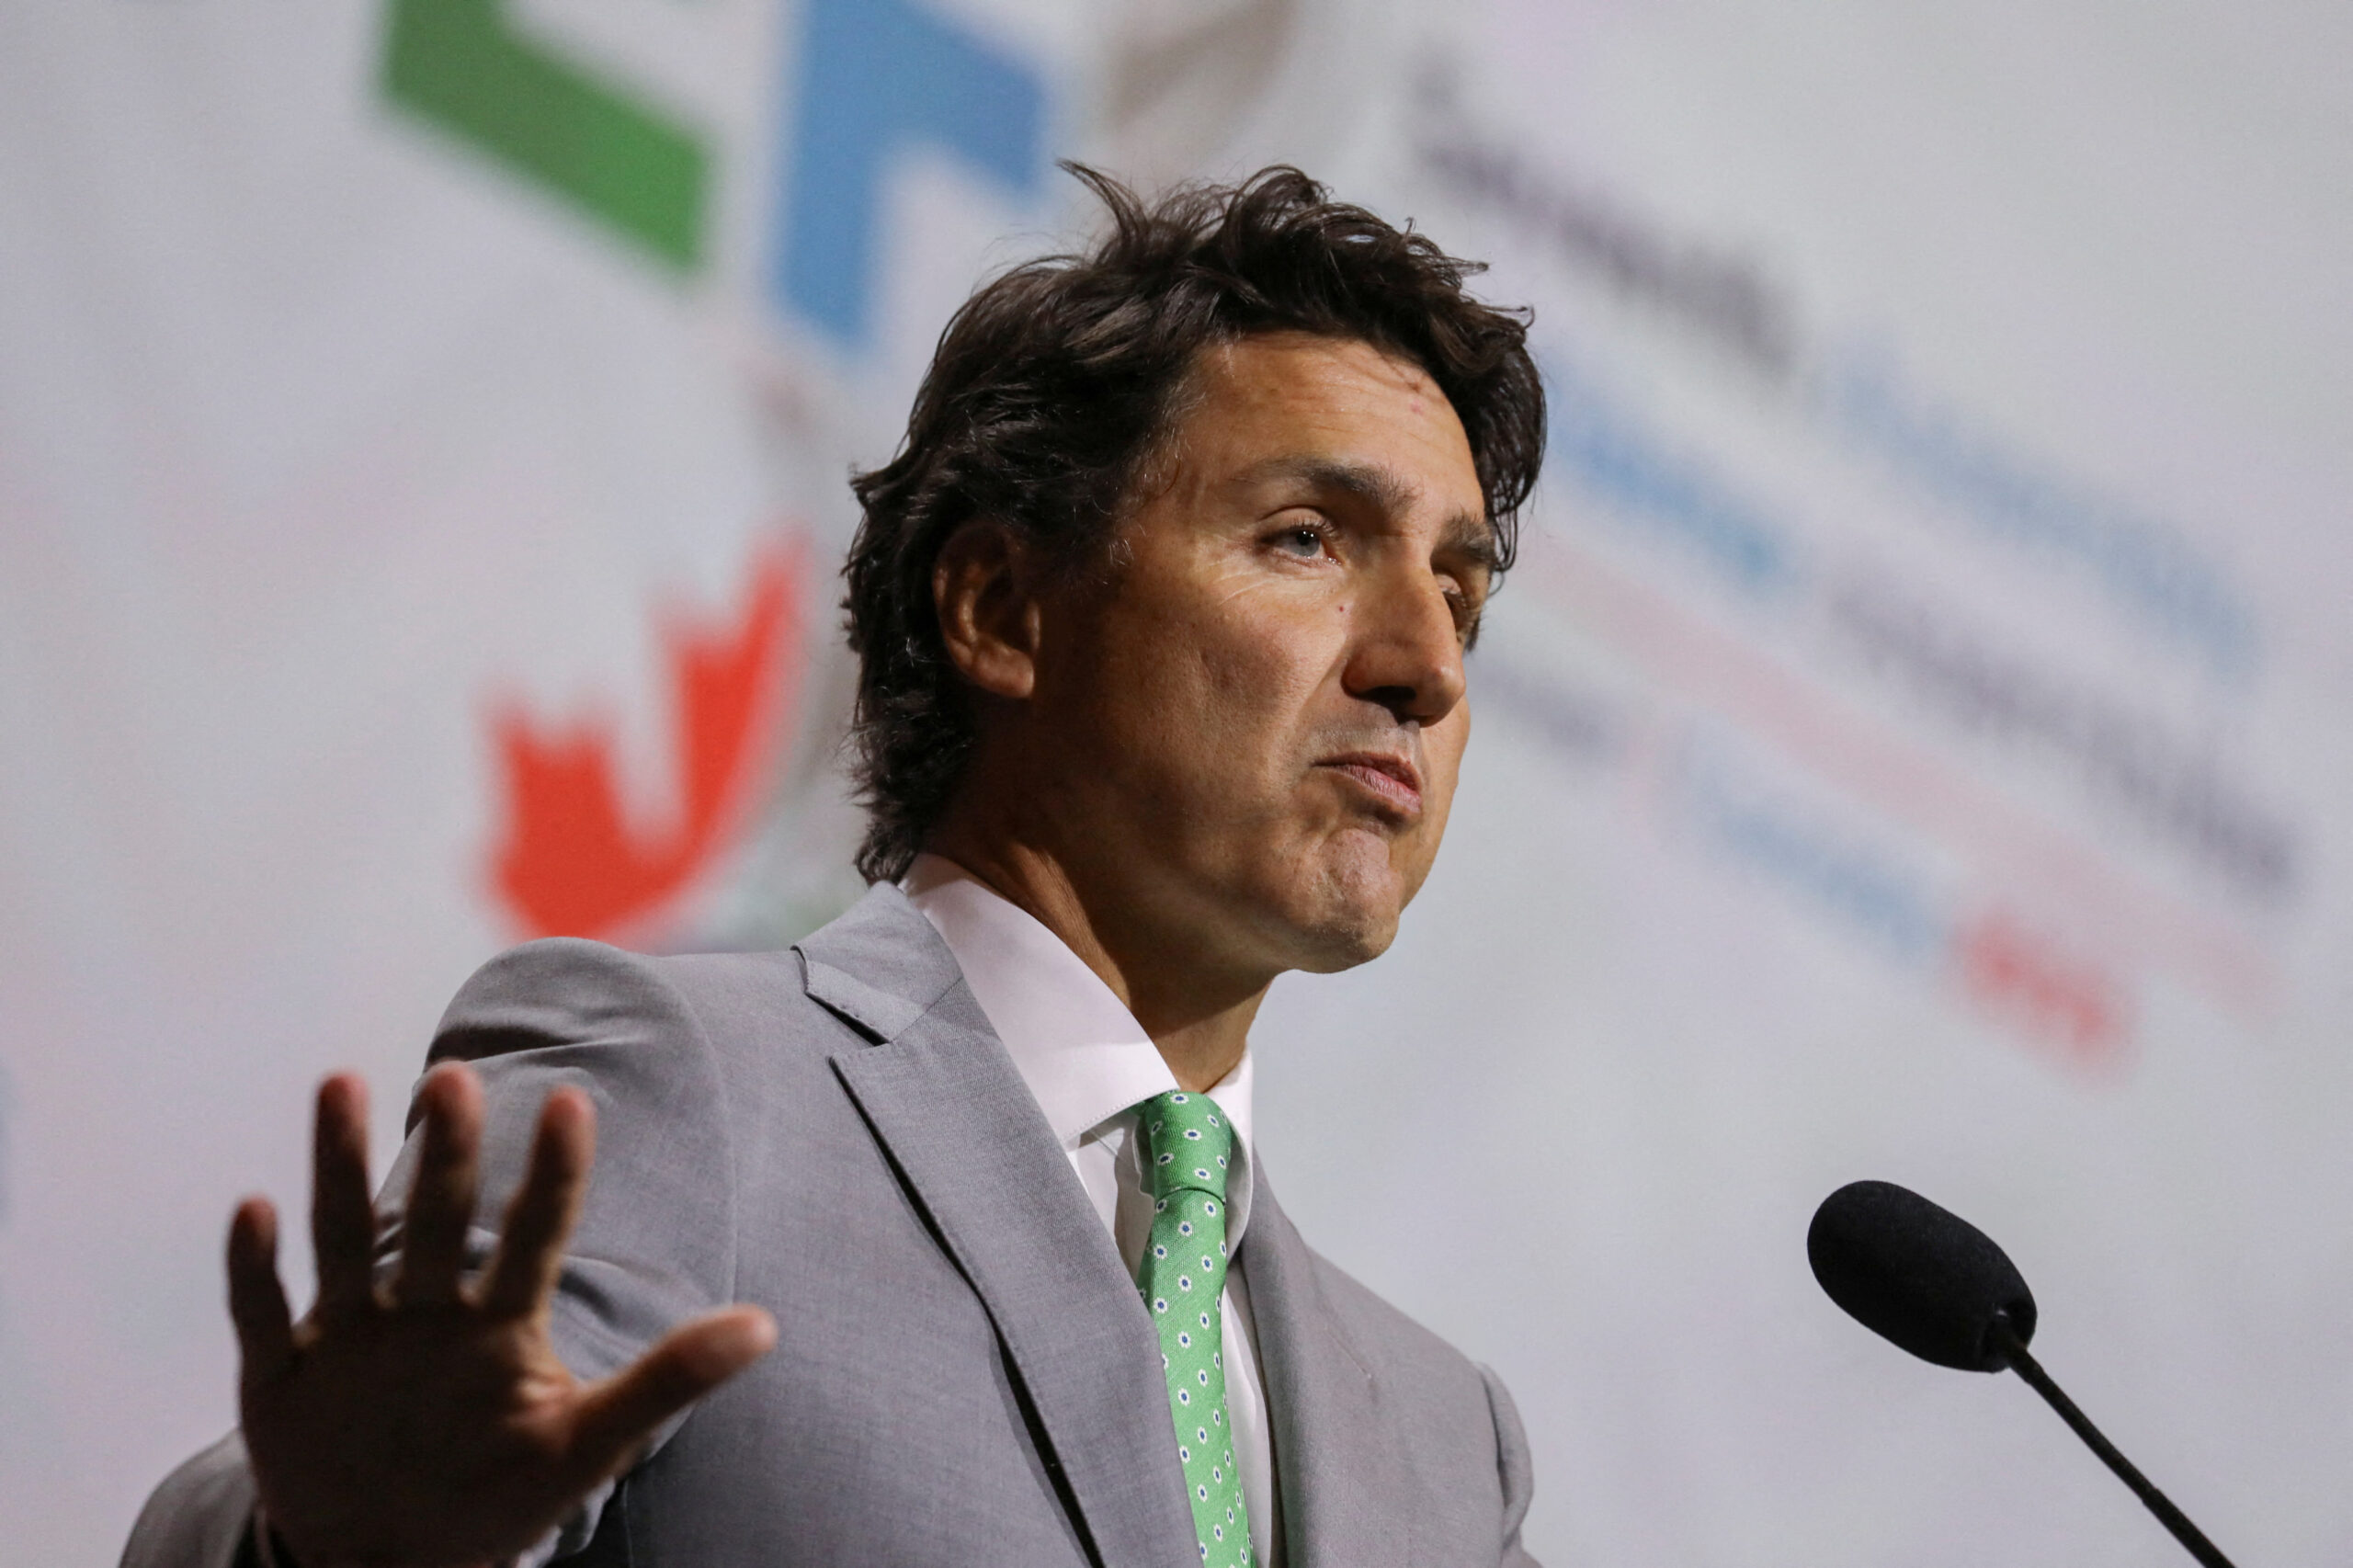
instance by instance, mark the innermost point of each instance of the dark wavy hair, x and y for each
(1056, 384)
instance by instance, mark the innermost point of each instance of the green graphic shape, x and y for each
(460, 64)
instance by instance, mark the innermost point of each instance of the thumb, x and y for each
(616, 1417)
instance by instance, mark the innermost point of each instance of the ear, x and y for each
(989, 616)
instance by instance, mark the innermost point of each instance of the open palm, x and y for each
(426, 1420)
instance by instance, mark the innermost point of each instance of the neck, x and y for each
(1199, 1018)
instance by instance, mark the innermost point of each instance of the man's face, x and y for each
(1253, 734)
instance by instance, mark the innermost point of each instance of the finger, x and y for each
(441, 1201)
(256, 1300)
(342, 1221)
(617, 1417)
(530, 1246)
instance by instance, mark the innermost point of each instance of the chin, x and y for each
(1347, 915)
(1332, 950)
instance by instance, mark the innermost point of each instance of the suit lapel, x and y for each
(945, 1101)
(1336, 1465)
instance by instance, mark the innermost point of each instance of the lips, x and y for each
(1392, 778)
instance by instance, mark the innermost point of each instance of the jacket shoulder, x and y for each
(570, 991)
(876, 968)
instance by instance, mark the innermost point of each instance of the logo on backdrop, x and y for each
(575, 859)
(871, 80)
(874, 79)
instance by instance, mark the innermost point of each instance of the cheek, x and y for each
(1226, 680)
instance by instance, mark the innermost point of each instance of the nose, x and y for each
(1407, 654)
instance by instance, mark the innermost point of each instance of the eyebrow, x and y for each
(1368, 483)
(1467, 533)
(1470, 534)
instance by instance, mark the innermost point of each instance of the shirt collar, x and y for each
(1083, 1055)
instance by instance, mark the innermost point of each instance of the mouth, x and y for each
(1388, 778)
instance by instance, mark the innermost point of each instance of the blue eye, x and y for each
(1301, 541)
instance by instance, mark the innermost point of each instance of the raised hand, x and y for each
(427, 1422)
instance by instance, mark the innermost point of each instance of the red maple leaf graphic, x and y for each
(572, 862)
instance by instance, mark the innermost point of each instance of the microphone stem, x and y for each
(2014, 1350)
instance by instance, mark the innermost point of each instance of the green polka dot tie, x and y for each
(1187, 1147)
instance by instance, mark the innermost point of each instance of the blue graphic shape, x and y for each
(2144, 562)
(1825, 864)
(877, 77)
(1613, 456)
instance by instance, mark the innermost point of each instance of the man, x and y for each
(1161, 613)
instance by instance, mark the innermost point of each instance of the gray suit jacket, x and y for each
(965, 1375)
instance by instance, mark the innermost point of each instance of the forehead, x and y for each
(1258, 400)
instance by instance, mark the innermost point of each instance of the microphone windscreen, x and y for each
(1924, 1278)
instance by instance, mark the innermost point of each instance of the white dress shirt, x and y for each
(1088, 1062)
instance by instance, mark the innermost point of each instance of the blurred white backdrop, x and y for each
(1918, 742)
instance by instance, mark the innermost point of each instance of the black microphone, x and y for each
(1938, 1286)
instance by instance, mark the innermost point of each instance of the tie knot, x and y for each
(1187, 1144)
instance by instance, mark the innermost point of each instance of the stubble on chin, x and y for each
(1353, 894)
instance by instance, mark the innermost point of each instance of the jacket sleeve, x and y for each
(198, 1516)
(1512, 1466)
(654, 1244)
